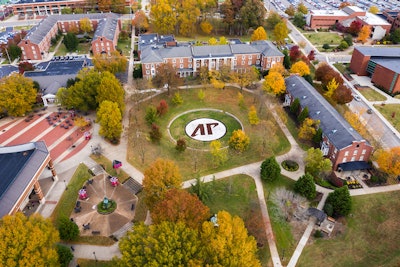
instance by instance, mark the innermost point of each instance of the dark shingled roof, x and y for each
(354, 165)
(318, 214)
(18, 164)
(333, 125)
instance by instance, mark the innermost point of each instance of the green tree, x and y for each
(253, 117)
(274, 83)
(113, 62)
(295, 106)
(316, 163)
(201, 95)
(177, 99)
(110, 119)
(110, 89)
(252, 14)
(303, 115)
(286, 59)
(200, 189)
(164, 244)
(239, 141)
(305, 186)
(180, 206)
(395, 36)
(151, 115)
(302, 8)
(71, 41)
(17, 95)
(273, 19)
(259, 34)
(281, 32)
(68, 229)
(299, 20)
(85, 25)
(166, 76)
(65, 255)
(155, 133)
(270, 169)
(181, 144)
(14, 51)
(229, 244)
(220, 155)
(340, 200)
(160, 177)
(28, 241)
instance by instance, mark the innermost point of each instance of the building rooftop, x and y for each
(379, 51)
(206, 51)
(267, 48)
(331, 13)
(392, 64)
(333, 125)
(372, 19)
(18, 164)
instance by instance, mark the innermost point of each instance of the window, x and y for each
(278, 59)
(174, 60)
(269, 59)
(258, 62)
(189, 60)
(197, 65)
(243, 57)
(152, 65)
(181, 66)
(258, 56)
(361, 158)
(355, 152)
(147, 72)
(243, 62)
(268, 65)
(181, 60)
(250, 57)
(108, 44)
(190, 65)
(353, 158)
(147, 66)
(344, 160)
(346, 153)
(249, 62)
(364, 151)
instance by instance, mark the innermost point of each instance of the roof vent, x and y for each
(334, 131)
(304, 97)
(293, 85)
(318, 112)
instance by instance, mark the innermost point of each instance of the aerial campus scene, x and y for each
(199, 133)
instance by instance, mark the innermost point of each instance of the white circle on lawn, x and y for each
(205, 129)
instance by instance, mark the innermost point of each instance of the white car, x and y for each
(356, 98)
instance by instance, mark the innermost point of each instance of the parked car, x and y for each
(356, 98)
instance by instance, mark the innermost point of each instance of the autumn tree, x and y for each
(302, 8)
(110, 119)
(252, 115)
(325, 74)
(308, 129)
(104, 5)
(141, 21)
(229, 244)
(212, 41)
(340, 201)
(166, 76)
(163, 17)
(180, 206)
(364, 34)
(155, 133)
(270, 169)
(281, 32)
(295, 53)
(71, 41)
(316, 163)
(331, 88)
(177, 99)
(181, 144)
(344, 4)
(301, 68)
(216, 79)
(311, 55)
(259, 34)
(85, 25)
(17, 95)
(239, 141)
(162, 107)
(163, 244)
(110, 89)
(188, 17)
(206, 27)
(290, 10)
(245, 77)
(219, 154)
(355, 27)
(305, 186)
(160, 177)
(274, 83)
(25, 66)
(273, 19)
(28, 241)
(373, 10)
(118, 6)
(354, 120)
(389, 160)
(114, 63)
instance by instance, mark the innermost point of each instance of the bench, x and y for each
(95, 232)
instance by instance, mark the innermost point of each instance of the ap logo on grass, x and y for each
(205, 129)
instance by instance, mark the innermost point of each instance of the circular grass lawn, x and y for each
(177, 126)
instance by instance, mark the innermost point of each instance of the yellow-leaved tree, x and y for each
(281, 32)
(239, 141)
(28, 241)
(17, 94)
(220, 155)
(253, 117)
(109, 117)
(364, 34)
(159, 177)
(331, 87)
(212, 41)
(229, 242)
(163, 17)
(259, 34)
(206, 27)
(114, 63)
(301, 68)
(308, 129)
(274, 83)
(354, 120)
(389, 160)
(373, 10)
(85, 25)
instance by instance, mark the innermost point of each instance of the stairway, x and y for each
(133, 186)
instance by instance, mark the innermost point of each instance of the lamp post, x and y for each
(66, 186)
(94, 254)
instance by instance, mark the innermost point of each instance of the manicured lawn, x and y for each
(237, 195)
(83, 48)
(371, 95)
(67, 202)
(392, 113)
(265, 139)
(321, 38)
(125, 46)
(93, 263)
(122, 176)
(281, 228)
(372, 237)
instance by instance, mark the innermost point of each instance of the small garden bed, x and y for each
(106, 208)
(290, 165)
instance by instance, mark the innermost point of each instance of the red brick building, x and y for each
(37, 42)
(317, 19)
(379, 63)
(342, 144)
(188, 59)
(393, 17)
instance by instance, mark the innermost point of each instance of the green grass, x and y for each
(321, 38)
(371, 95)
(125, 46)
(83, 48)
(237, 195)
(122, 176)
(264, 140)
(391, 112)
(67, 202)
(294, 130)
(282, 230)
(93, 263)
(177, 128)
(372, 237)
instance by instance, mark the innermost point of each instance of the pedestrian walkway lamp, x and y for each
(94, 254)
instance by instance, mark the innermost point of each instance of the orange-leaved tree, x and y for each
(389, 160)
